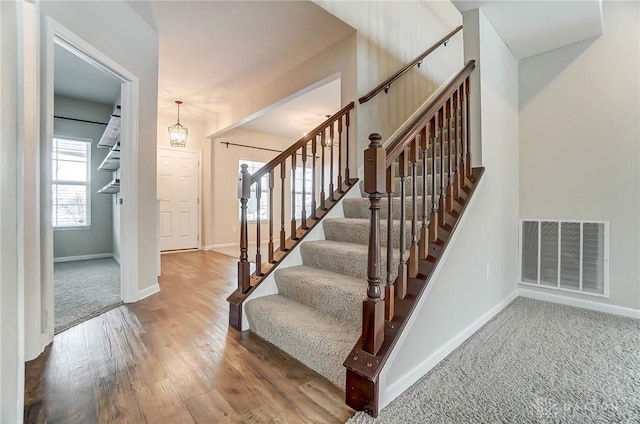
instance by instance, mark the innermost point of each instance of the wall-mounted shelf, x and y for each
(111, 135)
(112, 188)
(112, 161)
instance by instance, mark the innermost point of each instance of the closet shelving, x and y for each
(111, 139)
(111, 188)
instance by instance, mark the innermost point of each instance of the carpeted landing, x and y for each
(535, 362)
(83, 290)
(316, 317)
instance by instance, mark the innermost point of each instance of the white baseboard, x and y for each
(83, 257)
(115, 258)
(403, 383)
(221, 246)
(580, 303)
(149, 291)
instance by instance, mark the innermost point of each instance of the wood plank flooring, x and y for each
(172, 358)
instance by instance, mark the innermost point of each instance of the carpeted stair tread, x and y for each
(358, 207)
(338, 295)
(356, 230)
(315, 338)
(342, 258)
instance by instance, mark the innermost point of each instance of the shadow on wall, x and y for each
(545, 74)
(386, 112)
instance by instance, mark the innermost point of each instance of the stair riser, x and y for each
(359, 208)
(359, 234)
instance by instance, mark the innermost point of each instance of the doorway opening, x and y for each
(85, 182)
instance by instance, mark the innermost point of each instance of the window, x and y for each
(308, 174)
(70, 183)
(252, 210)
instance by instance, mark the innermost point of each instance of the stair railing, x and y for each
(386, 84)
(439, 138)
(311, 176)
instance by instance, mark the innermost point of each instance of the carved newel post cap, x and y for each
(374, 140)
(244, 168)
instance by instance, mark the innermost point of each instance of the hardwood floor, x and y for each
(172, 358)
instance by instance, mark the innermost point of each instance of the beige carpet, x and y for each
(535, 362)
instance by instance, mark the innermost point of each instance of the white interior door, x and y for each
(178, 188)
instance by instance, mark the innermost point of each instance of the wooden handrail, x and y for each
(273, 163)
(397, 145)
(384, 86)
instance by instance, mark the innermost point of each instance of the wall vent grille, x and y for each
(565, 255)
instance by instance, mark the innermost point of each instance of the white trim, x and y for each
(403, 383)
(149, 291)
(83, 257)
(115, 258)
(580, 303)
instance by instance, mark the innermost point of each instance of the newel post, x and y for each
(244, 193)
(373, 307)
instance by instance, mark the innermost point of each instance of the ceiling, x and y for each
(533, 27)
(215, 52)
(303, 113)
(74, 77)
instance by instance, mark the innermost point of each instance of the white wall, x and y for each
(98, 238)
(580, 141)
(461, 298)
(225, 224)
(390, 35)
(11, 286)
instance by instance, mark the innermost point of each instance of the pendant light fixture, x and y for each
(178, 133)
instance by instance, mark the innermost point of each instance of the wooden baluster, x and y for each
(323, 196)
(414, 154)
(258, 255)
(468, 132)
(303, 214)
(443, 196)
(463, 137)
(456, 148)
(294, 225)
(389, 296)
(314, 151)
(244, 193)
(347, 177)
(283, 235)
(373, 307)
(433, 218)
(424, 230)
(401, 284)
(270, 245)
(340, 186)
(331, 140)
(450, 154)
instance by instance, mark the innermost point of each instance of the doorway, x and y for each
(85, 181)
(178, 192)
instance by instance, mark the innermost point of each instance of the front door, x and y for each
(178, 188)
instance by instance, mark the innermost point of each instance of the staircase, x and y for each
(316, 317)
(341, 302)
